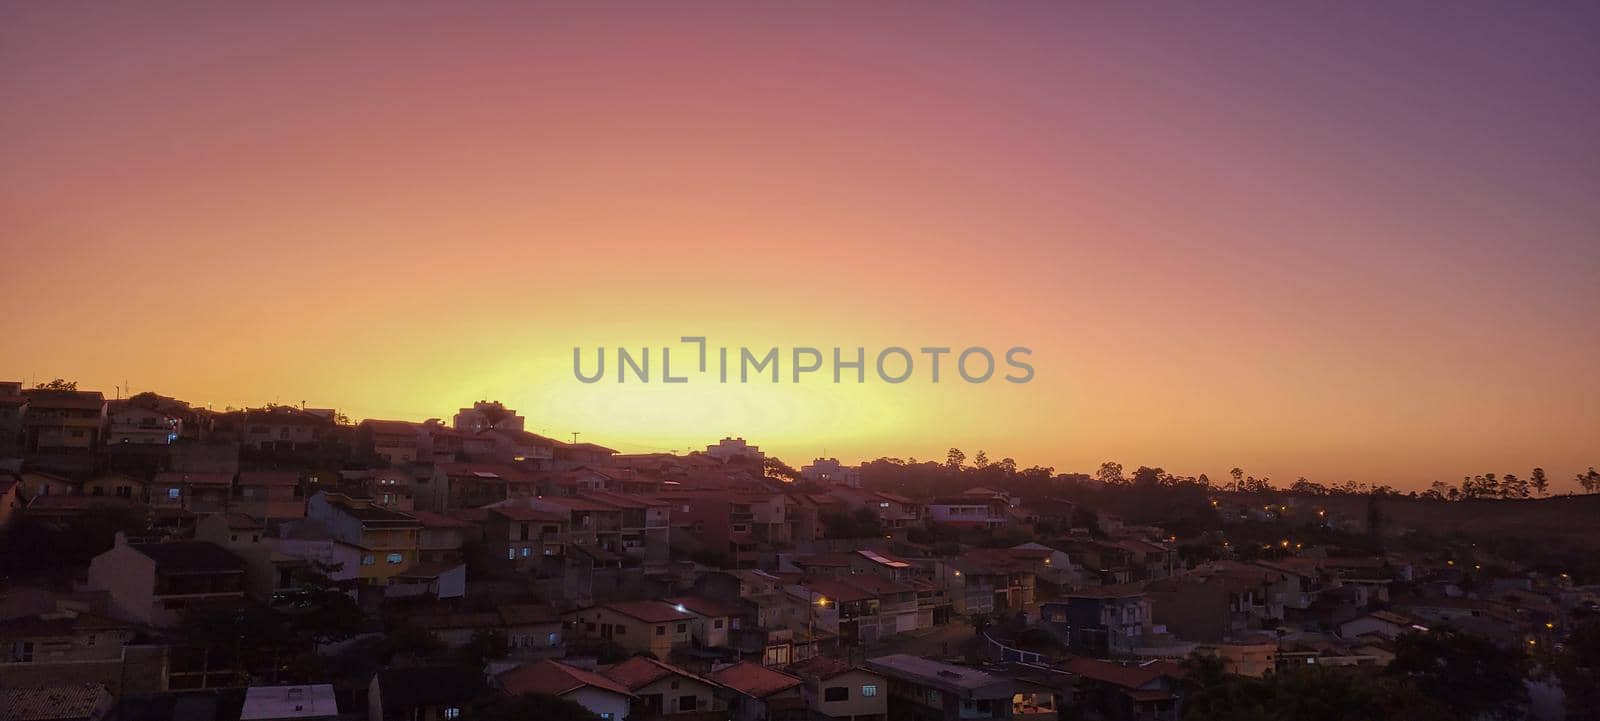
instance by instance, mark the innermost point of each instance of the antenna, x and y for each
(575, 437)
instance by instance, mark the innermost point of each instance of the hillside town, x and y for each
(163, 560)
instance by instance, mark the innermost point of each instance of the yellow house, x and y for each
(651, 626)
(388, 539)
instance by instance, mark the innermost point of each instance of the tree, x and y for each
(1540, 483)
(1110, 473)
(1237, 474)
(1469, 677)
(1578, 669)
(58, 384)
(1513, 487)
(954, 459)
(981, 461)
(1590, 482)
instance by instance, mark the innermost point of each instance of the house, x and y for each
(269, 494)
(730, 449)
(922, 689)
(991, 580)
(391, 488)
(437, 579)
(471, 485)
(531, 631)
(290, 703)
(527, 538)
(194, 492)
(573, 455)
(133, 425)
(966, 511)
(486, 415)
(759, 693)
(117, 485)
(387, 539)
(893, 511)
(154, 583)
(830, 472)
(652, 626)
(1218, 600)
(838, 691)
(388, 442)
(1100, 620)
(608, 699)
(662, 689)
(436, 693)
(61, 636)
(442, 536)
(39, 483)
(713, 621)
(280, 429)
(74, 702)
(63, 421)
(1384, 624)
(1118, 692)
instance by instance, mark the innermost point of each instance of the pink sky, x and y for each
(1351, 242)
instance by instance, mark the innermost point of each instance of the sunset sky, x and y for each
(1350, 241)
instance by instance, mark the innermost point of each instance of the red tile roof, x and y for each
(1129, 677)
(553, 678)
(640, 671)
(754, 680)
(648, 611)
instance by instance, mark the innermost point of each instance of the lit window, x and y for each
(368, 559)
(451, 712)
(395, 559)
(869, 690)
(553, 639)
(526, 551)
(173, 492)
(511, 554)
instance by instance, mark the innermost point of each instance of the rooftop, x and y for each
(957, 679)
(289, 702)
(754, 680)
(190, 557)
(553, 678)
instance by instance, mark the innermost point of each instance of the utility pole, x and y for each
(575, 437)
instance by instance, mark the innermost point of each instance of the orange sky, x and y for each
(1350, 243)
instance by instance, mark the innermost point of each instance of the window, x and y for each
(368, 559)
(173, 493)
(717, 623)
(22, 652)
(683, 627)
(233, 537)
(623, 630)
(661, 630)
(395, 559)
(511, 554)
(836, 693)
(687, 703)
(605, 716)
(553, 639)
(869, 690)
(526, 550)
(89, 641)
(452, 712)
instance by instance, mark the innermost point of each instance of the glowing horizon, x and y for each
(1354, 242)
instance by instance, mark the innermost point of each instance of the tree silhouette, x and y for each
(58, 384)
(1540, 483)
